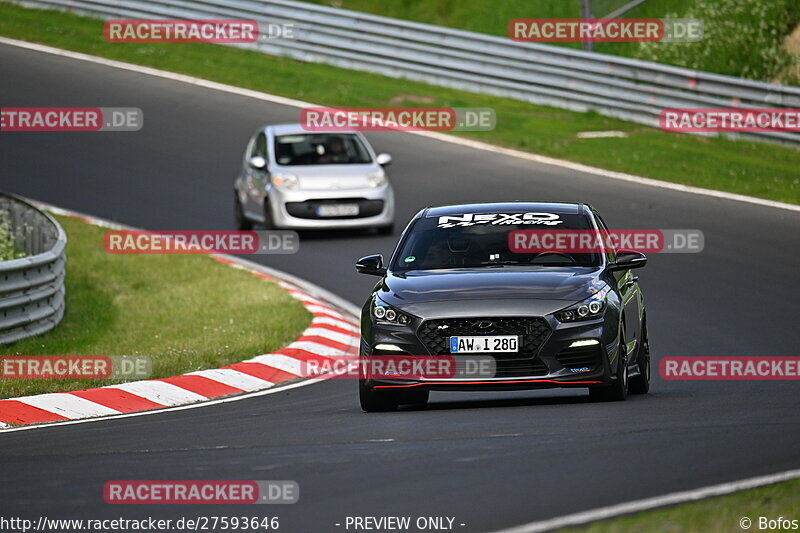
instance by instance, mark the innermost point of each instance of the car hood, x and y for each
(547, 284)
(332, 177)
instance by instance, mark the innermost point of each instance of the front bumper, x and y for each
(296, 209)
(550, 363)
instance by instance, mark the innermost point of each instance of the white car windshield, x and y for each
(320, 149)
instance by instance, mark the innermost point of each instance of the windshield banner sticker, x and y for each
(499, 219)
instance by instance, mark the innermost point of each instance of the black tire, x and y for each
(242, 223)
(415, 398)
(376, 401)
(618, 390)
(385, 230)
(641, 383)
(268, 223)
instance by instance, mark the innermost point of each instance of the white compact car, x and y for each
(292, 178)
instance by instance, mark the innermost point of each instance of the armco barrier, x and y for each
(32, 288)
(620, 87)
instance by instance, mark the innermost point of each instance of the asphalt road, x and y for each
(488, 459)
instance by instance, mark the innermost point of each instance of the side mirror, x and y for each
(372, 264)
(383, 159)
(257, 162)
(627, 259)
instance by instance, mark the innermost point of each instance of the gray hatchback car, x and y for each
(292, 178)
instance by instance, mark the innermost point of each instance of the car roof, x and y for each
(508, 207)
(297, 129)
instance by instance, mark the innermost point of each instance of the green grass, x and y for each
(713, 515)
(743, 37)
(186, 312)
(756, 169)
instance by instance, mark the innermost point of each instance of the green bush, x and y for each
(742, 38)
(8, 240)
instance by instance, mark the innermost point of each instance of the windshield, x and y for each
(320, 149)
(475, 241)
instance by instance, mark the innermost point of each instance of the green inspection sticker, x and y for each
(410, 259)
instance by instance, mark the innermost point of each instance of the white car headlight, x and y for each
(385, 314)
(285, 180)
(377, 178)
(592, 307)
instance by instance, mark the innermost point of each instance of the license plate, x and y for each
(484, 344)
(337, 210)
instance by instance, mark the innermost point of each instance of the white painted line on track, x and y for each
(279, 361)
(636, 506)
(344, 338)
(65, 404)
(234, 378)
(333, 322)
(318, 349)
(477, 145)
(325, 309)
(160, 392)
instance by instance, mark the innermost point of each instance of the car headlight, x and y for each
(376, 179)
(590, 308)
(386, 314)
(285, 180)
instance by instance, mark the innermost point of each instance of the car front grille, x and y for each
(308, 209)
(514, 368)
(533, 332)
(435, 334)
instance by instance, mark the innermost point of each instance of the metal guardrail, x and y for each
(32, 288)
(619, 87)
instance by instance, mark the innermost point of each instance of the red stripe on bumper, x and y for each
(504, 382)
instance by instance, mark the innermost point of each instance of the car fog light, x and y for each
(388, 347)
(584, 342)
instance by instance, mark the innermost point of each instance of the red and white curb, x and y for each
(332, 336)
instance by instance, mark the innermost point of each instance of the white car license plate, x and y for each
(484, 344)
(337, 210)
